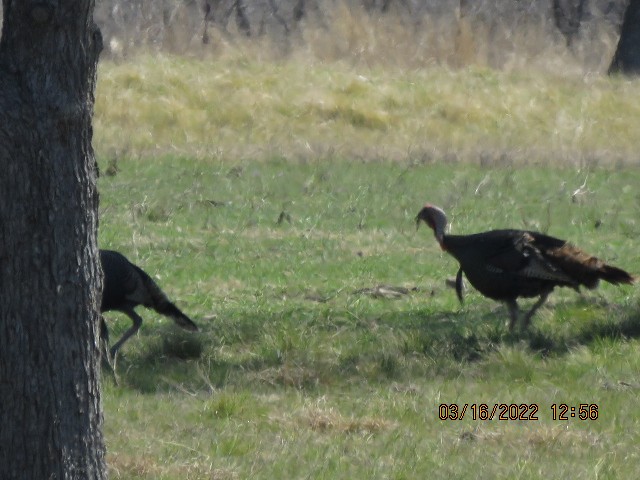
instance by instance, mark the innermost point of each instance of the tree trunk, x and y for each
(627, 57)
(50, 406)
(568, 15)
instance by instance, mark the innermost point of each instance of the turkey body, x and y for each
(509, 264)
(506, 264)
(126, 286)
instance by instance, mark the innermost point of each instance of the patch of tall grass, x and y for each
(301, 110)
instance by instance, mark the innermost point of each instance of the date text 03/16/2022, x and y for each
(516, 411)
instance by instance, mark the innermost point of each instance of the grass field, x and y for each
(300, 370)
(245, 108)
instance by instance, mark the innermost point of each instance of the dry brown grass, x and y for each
(245, 108)
(407, 36)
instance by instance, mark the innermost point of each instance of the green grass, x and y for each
(297, 375)
(267, 199)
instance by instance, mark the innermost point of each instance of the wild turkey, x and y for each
(508, 264)
(125, 286)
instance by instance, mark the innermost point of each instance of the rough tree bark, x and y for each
(50, 407)
(627, 57)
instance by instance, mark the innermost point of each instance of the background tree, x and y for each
(49, 273)
(568, 15)
(627, 56)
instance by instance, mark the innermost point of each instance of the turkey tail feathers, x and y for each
(170, 310)
(585, 269)
(158, 301)
(615, 275)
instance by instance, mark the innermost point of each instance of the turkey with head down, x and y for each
(126, 286)
(508, 264)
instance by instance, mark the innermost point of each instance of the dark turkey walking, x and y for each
(125, 287)
(508, 264)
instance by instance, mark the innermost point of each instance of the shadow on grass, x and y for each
(466, 338)
(379, 348)
(621, 326)
(170, 354)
